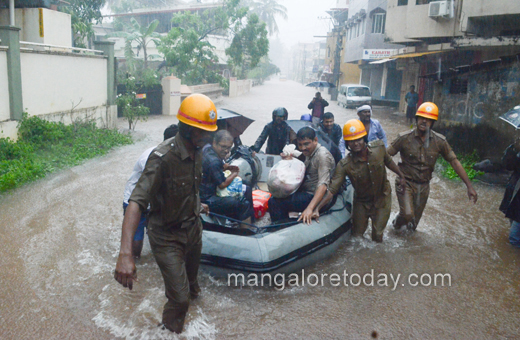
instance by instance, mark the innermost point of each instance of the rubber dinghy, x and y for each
(284, 248)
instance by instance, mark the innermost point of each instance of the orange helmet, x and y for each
(428, 110)
(198, 111)
(353, 130)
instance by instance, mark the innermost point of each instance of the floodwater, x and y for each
(60, 239)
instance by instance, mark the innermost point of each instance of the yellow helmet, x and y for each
(198, 111)
(353, 130)
(428, 110)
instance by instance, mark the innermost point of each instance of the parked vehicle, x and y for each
(354, 95)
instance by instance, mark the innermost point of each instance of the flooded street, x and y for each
(60, 239)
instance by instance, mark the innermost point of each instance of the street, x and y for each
(61, 235)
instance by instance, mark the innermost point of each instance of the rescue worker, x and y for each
(170, 184)
(278, 131)
(419, 149)
(319, 165)
(365, 166)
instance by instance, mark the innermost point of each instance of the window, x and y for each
(363, 26)
(423, 2)
(358, 29)
(402, 2)
(378, 23)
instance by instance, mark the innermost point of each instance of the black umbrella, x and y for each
(320, 84)
(512, 117)
(234, 122)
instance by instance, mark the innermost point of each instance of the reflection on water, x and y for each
(60, 238)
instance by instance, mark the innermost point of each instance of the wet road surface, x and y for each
(60, 239)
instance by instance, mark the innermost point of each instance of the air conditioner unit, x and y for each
(439, 9)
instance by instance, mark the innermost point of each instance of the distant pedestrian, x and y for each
(317, 105)
(411, 98)
(510, 205)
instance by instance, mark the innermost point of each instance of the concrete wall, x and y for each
(57, 82)
(239, 87)
(56, 25)
(477, 8)
(405, 23)
(4, 87)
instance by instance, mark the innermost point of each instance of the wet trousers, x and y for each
(177, 252)
(238, 208)
(412, 201)
(279, 208)
(514, 234)
(362, 211)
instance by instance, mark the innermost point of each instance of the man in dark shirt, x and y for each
(317, 105)
(170, 185)
(213, 167)
(332, 129)
(279, 133)
(411, 98)
(510, 205)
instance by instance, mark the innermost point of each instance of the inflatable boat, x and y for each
(285, 247)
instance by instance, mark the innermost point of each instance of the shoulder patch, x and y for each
(438, 135)
(376, 143)
(405, 133)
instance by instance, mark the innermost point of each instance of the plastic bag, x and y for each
(286, 177)
(234, 189)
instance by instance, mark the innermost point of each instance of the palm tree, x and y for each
(142, 35)
(267, 11)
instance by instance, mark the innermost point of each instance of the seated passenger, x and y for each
(213, 167)
(332, 129)
(279, 133)
(319, 165)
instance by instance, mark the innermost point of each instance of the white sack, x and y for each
(286, 177)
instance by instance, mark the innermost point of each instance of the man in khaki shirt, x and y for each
(170, 184)
(319, 165)
(365, 166)
(419, 150)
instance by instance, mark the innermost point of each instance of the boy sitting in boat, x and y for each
(319, 165)
(213, 167)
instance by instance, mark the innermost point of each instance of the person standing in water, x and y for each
(419, 149)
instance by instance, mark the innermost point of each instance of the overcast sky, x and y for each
(303, 22)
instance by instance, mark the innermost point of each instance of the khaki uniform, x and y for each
(170, 184)
(417, 164)
(372, 195)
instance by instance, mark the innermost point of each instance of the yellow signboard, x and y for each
(140, 96)
(40, 21)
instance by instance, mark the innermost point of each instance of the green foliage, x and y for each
(263, 70)
(83, 14)
(192, 58)
(133, 110)
(44, 147)
(142, 35)
(467, 162)
(249, 45)
(189, 56)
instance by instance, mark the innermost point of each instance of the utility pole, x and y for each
(337, 62)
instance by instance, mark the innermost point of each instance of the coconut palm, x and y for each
(267, 11)
(140, 34)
